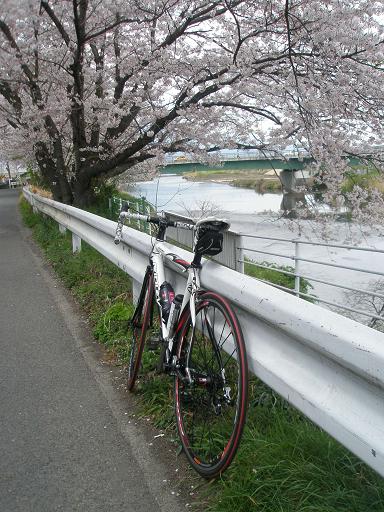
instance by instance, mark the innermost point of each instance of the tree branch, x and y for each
(44, 4)
(117, 23)
(248, 108)
(11, 96)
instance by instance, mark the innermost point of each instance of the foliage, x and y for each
(107, 192)
(90, 89)
(36, 179)
(103, 193)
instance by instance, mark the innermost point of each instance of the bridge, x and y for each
(241, 160)
(285, 162)
(245, 160)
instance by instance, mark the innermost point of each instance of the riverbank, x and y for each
(264, 180)
(260, 180)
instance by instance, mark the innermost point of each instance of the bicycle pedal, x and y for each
(153, 343)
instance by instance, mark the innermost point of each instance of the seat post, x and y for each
(196, 262)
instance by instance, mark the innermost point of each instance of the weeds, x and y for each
(261, 185)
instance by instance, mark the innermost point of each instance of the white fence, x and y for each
(334, 272)
(329, 367)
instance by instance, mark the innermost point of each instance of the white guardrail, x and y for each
(329, 367)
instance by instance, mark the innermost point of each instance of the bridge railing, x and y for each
(243, 154)
(255, 154)
(329, 367)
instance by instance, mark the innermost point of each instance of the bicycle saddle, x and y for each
(212, 223)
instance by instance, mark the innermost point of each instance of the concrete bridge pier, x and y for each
(291, 196)
(288, 180)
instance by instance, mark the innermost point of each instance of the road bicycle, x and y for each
(198, 341)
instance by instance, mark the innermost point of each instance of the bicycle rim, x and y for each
(211, 410)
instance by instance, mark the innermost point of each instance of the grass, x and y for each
(371, 180)
(261, 185)
(209, 174)
(284, 464)
(242, 179)
(101, 288)
(273, 273)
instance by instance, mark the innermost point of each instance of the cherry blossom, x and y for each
(91, 88)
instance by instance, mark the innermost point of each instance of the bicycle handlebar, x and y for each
(162, 221)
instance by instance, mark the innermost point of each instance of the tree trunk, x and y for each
(83, 193)
(66, 192)
(9, 174)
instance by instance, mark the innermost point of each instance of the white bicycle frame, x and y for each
(159, 252)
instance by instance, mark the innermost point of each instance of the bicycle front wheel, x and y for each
(140, 323)
(211, 390)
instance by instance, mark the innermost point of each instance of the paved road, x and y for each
(65, 442)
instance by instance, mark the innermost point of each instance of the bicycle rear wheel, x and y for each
(140, 327)
(211, 398)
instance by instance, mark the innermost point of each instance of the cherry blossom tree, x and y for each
(91, 88)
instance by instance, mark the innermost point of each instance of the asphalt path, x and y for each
(67, 441)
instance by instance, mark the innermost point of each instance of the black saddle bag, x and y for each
(209, 243)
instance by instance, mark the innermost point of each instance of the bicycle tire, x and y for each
(140, 323)
(211, 411)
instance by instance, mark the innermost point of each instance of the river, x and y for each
(174, 193)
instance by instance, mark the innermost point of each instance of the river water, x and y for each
(174, 193)
(251, 213)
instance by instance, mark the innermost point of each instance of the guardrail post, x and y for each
(297, 268)
(138, 211)
(239, 253)
(110, 204)
(149, 224)
(62, 229)
(76, 243)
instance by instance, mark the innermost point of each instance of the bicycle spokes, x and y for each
(210, 401)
